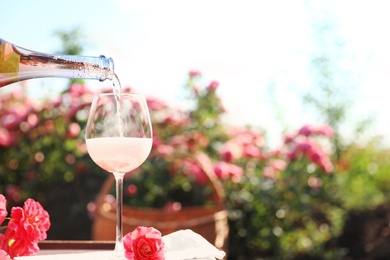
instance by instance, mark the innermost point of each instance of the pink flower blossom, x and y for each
(213, 86)
(278, 164)
(312, 151)
(269, 172)
(224, 170)
(3, 208)
(77, 90)
(221, 169)
(32, 217)
(194, 169)
(6, 138)
(4, 255)
(163, 149)
(194, 73)
(252, 151)
(144, 243)
(306, 130)
(235, 172)
(155, 104)
(16, 243)
(27, 226)
(32, 120)
(288, 138)
(231, 151)
(324, 130)
(9, 121)
(74, 130)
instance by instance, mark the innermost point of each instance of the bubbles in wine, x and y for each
(116, 88)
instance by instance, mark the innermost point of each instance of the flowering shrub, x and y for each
(286, 202)
(26, 226)
(43, 156)
(144, 243)
(179, 137)
(278, 200)
(290, 188)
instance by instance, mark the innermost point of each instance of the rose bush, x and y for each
(284, 202)
(43, 156)
(144, 243)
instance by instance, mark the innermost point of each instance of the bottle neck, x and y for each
(40, 65)
(22, 64)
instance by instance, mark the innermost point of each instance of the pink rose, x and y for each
(194, 73)
(221, 170)
(144, 243)
(6, 137)
(37, 217)
(224, 170)
(3, 208)
(213, 86)
(306, 130)
(278, 164)
(231, 151)
(252, 151)
(27, 226)
(4, 255)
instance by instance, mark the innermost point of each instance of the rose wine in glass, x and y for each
(119, 139)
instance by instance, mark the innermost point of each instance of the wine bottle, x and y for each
(17, 64)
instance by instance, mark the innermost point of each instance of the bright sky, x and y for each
(259, 51)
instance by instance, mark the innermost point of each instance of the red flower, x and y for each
(16, 243)
(36, 217)
(3, 208)
(27, 226)
(144, 243)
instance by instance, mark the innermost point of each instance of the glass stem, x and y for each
(119, 249)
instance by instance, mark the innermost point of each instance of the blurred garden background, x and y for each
(297, 133)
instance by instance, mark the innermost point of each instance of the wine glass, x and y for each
(119, 139)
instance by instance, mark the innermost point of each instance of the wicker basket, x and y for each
(210, 222)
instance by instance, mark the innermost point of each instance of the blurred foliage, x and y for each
(71, 40)
(283, 203)
(43, 156)
(288, 202)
